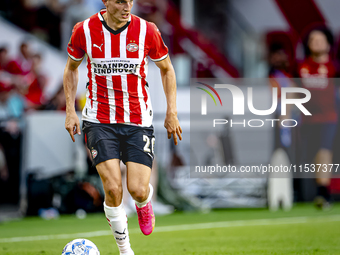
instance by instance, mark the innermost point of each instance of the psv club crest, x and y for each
(132, 47)
(94, 153)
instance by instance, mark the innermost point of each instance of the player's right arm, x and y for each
(76, 53)
(70, 84)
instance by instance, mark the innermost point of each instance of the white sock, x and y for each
(142, 204)
(117, 219)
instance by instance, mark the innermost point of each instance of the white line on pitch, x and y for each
(223, 224)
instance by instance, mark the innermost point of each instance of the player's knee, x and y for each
(114, 191)
(139, 193)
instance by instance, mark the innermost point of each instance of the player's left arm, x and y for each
(171, 122)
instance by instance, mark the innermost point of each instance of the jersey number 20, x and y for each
(146, 139)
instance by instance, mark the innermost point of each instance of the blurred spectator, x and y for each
(57, 102)
(11, 110)
(44, 17)
(25, 73)
(11, 104)
(50, 20)
(155, 11)
(5, 77)
(3, 58)
(76, 11)
(22, 65)
(318, 130)
(3, 168)
(278, 61)
(36, 81)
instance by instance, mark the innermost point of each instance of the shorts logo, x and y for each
(132, 47)
(94, 153)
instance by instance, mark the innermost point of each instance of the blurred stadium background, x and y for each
(43, 173)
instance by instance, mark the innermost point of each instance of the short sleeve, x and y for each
(158, 50)
(76, 45)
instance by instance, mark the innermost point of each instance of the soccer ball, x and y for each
(80, 247)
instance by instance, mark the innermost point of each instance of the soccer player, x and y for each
(318, 130)
(117, 117)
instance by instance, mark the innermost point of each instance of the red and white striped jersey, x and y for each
(117, 65)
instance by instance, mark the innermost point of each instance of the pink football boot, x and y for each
(146, 218)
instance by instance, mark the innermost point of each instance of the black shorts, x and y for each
(121, 141)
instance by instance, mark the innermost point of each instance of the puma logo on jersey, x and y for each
(99, 47)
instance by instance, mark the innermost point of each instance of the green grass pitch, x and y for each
(304, 230)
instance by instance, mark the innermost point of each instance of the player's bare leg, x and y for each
(138, 178)
(323, 179)
(109, 172)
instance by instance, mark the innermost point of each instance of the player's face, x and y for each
(119, 10)
(318, 43)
